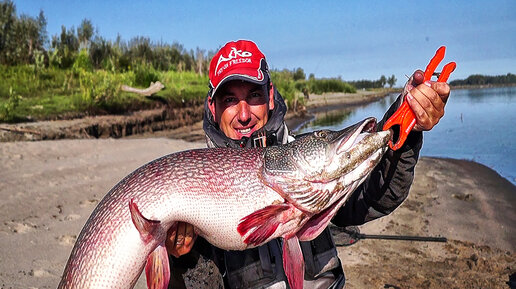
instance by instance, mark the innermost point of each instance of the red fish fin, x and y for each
(293, 262)
(157, 269)
(315, 226)
(145, 226)
(319, 222)
(261, 224)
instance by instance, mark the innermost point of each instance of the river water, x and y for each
(479, 125)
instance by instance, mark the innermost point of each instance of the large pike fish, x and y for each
(236, 199)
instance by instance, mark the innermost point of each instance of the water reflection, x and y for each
(327, 119)
(479, 125)
(501, 93)
(338, 119)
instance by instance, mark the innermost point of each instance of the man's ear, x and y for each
(271, 97)
(211, 106)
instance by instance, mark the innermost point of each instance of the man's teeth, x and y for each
(244, 131)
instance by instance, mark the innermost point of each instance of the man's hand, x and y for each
(427, 100)
(180, 239)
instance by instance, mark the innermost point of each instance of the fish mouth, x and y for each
(351, 136)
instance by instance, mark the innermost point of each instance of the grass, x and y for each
(31, 93)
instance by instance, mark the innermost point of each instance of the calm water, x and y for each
(479, 125)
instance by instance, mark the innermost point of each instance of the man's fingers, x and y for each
(180, 239)
(181, 232)
(418, 77)
(422, 118)
(189, 234)
(427, 100)
(170, 241)
(430, 96)
(190, 237)
(442, 89)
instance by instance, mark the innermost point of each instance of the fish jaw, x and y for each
(318, 169)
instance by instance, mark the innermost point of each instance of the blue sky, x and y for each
(351, 39)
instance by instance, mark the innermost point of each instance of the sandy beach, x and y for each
(49, 188)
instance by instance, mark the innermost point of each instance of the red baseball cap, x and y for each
(239, 59)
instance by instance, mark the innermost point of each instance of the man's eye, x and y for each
(256, 98)
(229, 100)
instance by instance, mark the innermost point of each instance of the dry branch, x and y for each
(20, 130)
(152, 89)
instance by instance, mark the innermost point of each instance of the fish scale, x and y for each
(160, 188)
(228, 195)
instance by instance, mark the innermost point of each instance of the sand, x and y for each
(49, 188)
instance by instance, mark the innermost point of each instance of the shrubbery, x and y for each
(7, 109)
(80, 72)
(292, 85)
(323, 85)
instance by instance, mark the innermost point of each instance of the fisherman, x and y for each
(244, 109)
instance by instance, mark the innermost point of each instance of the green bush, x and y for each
(323, 85)
(25, 82)
(82, 62)
(7, 109)
(184, 86)
(144, 75)
(284, 83)
(101, 88)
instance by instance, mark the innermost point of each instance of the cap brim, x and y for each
(241, 75)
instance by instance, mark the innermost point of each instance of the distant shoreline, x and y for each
(482, 86)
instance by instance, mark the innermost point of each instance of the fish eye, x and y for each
(321, 134)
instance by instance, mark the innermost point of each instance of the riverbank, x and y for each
(178, 123)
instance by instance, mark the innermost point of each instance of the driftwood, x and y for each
(152, 89)
(20, 130)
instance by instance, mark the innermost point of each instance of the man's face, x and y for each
(241, 108)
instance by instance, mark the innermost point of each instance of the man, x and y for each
(243, 109)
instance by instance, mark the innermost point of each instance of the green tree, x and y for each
(478, 79)
(299, 74)
(85, 33)
(27, 40)
(101, 53)
(82, 62)
(21, 37)
(391, 81)
(66, 47)
(140, 49)
(199, 61)
(42, 25)
(7, 20)
(382, 80)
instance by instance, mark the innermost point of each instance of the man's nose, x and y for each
(244, 111)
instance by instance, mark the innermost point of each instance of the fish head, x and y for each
(325, 162)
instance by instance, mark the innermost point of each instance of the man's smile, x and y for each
(246, 131)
